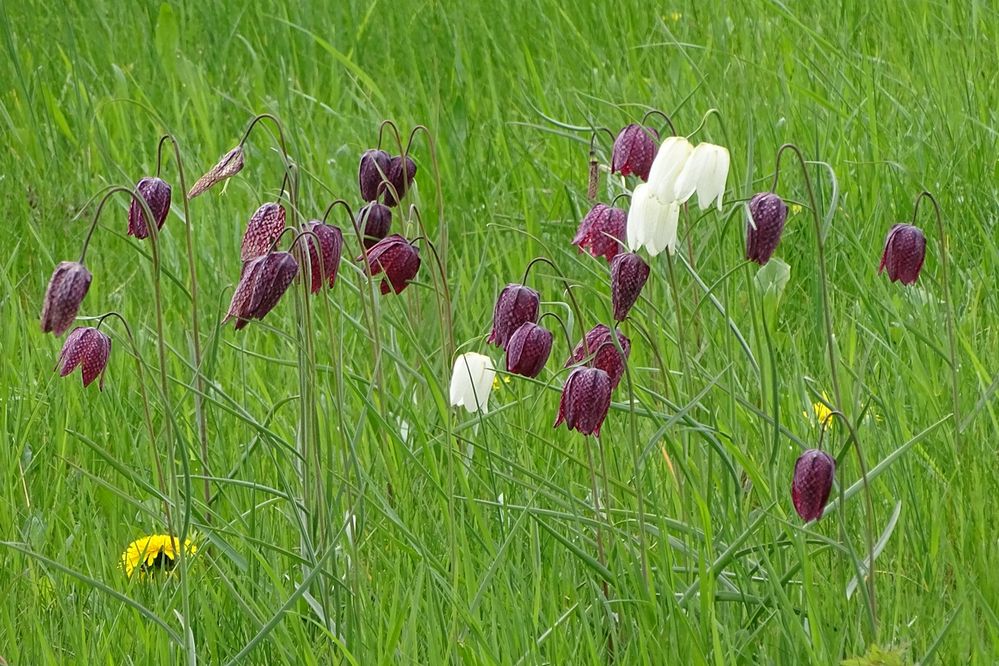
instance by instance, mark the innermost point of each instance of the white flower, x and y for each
(651, 221)
(672, 156)
(471, 382)
(705, 172)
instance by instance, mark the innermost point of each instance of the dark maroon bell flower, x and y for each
(263, 282)
(628, 275)
(516, 305)
(401, 172)
(157, 195)
(88, 348)
(372, 171)
(767, 213)
(375, 220)
(228, 165)
(813, 478)
(528, 350)
(324, 253)
(67, 287)
(634, 150)
(262, 230)
(394, 257)
(905, 250)
(600, 346)
(602, 231)
(585, 400)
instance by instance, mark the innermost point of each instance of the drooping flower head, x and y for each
(813, 478)
(634, 150)
(401, 173)
(471, 381)
(324, 255)
(528, 350)
(375, 220)
(262, 230)
(602, 231)
(666, 167)
(904, 253)
(629, 273)
(88, 348)
(705, 172)
(229, 165)
(600, 345)
(652, 222)
(156, 192)
(372, 170)
(152, 553)
(764, 225)
(585, 401)
(516, 304)
(263, 282)
(68, 285)
(394, 257)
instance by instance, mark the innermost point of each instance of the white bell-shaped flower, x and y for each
(471, 382)
(652, 222)
(705, 172)
(666, 168)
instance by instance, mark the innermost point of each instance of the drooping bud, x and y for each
(516, 304)
(813, 479)
(375, 220)
(628, 275)
(372, 171)
(68, 285)
(904, 253)
(765, 223)
(263, 282)
(600, 345)
(602, 231)
(394, 257)
(634, 150)
(264, 227)
(585, 401)
(88, 348)
(324, 255)
(156, 192)
(528, 349)
(401, 173)
(229, 165)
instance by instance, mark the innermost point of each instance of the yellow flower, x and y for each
(157, 551)
(496, 382)
(821, 410)
(795, 209)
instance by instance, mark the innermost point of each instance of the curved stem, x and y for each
(657, 112)
(159, 155)
(704, 119)
(277, 123)
(626, 195)
(395, 131)
(951, 343)
(565, 283)
(340, 202)
(561, 324)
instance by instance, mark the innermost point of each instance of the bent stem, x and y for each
(572, 298)
(657, 112)
(951, 344)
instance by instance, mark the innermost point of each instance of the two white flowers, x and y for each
(678, 171)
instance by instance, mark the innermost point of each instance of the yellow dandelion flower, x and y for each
(795, 209)
(821, 410)
(157, 551)
(497, 384)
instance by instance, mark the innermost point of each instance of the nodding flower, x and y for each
(585, 401)
(262, 230)
(228, 165)
(813, 478)
(372, 170)
(705, 172)
(375, 220)
(156, 192)
(634, 150)
(652, 221)
(324, 253)
(68, 285)
(471, 381)
(598, 344)
(88, 348)
(396, 259)
(602, 231)
(904, 253)
(516, 304)
(401, 173)
(629, 272)
(261, 285)
(528, 350)
(764, 226)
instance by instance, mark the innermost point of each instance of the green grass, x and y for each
(705, 561)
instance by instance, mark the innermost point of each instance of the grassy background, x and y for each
(480, 546)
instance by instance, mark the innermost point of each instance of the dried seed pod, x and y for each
(228, 165)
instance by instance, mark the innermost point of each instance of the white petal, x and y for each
(670, 160)
(638, 216)
(469, 388)
(692, 175)
(711, 182)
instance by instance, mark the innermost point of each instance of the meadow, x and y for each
(342, 510)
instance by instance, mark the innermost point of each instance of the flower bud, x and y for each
(372, 171)
(375, 220)
(634, 150)
(813, 478)
(67, 287)
(516, 304)
(401, 172)
(767, 213)
(156, 192)
(324, 255)
(229, 165)
(585, 401)
(528, 349)
(262, 230)
(628, 275)
(396, 259)
(88, 348)
(904, 253)
(263, 282)
(602, 231)
(599, 345)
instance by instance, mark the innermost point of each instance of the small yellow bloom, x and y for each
(675, 16)
(157, 551)
(795, 209)
(821, 410)
(497, 384)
